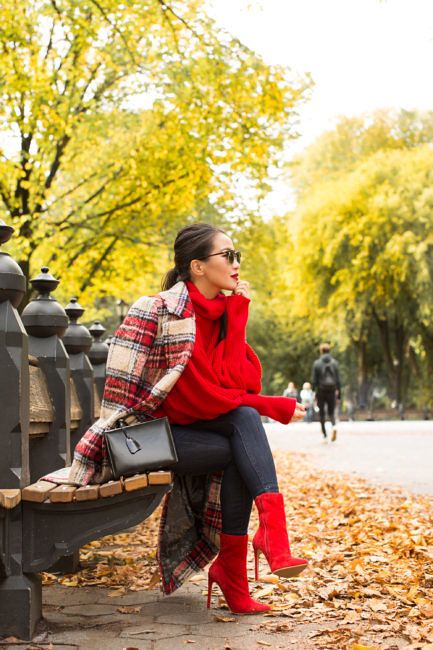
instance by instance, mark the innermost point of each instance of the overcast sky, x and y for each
(362, 54)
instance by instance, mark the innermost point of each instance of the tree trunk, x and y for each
(385, 340)
(363, 382)
(394, 363)
(400, 341)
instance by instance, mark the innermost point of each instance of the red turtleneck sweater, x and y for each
(221, 376)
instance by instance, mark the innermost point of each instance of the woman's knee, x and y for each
(246, 416)
(247, 426)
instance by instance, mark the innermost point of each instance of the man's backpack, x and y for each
(328, 379)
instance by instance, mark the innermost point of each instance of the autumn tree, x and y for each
(123, 120)
(367, 250)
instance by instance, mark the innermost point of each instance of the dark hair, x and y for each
(324, 348)
(192, 243)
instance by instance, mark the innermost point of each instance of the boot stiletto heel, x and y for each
(209, 591)
(256, 563)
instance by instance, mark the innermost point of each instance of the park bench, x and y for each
(48, 396)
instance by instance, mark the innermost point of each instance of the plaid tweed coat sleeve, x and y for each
(147, 355)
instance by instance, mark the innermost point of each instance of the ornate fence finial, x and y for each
(77, 337)
(12, 280)
(99, 351)
(44, 316)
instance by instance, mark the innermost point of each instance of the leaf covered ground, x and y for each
(369, 584)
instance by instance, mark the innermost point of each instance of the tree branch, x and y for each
(98, 262)
(60, 150)
(90, 198)
(68, 193)
(165, 7)
(116, 29)
(50, 41)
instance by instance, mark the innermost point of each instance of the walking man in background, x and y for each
(326, 384)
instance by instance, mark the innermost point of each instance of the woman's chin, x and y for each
(230, 285)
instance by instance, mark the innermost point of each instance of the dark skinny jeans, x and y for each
(326, 399)
(236, 443)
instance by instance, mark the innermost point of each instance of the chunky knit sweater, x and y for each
(221, 374)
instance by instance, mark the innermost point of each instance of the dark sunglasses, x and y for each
(230, 256)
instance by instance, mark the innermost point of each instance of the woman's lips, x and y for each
(235, 276)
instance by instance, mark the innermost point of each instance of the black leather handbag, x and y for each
(141, 447)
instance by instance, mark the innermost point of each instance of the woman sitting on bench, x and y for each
(183, 354)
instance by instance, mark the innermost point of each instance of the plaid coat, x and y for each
(148, 354)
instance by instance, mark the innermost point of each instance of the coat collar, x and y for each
(177, 300)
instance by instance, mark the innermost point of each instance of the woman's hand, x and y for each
(242, 289)
(299, 413)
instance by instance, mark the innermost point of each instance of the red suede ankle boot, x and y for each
(272, 540)
(229, 571)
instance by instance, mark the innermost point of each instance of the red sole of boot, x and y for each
(290, 571)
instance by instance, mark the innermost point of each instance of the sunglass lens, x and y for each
(232, 256)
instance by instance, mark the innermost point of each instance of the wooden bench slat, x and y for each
(110, 489)
(37, 492)
(9, 498)
(160, 478)
(135, 482)
(87, 493)
(62, 494)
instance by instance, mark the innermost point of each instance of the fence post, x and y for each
(20, 594)
(14, 376)
(98, 354)
(78, 342)
(45, 321)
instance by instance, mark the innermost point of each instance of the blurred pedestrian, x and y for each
(291, 390)
(307, 399)
(326, 384)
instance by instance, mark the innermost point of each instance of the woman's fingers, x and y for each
(299, 413)
(243, 289)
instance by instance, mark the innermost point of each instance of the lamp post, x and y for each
(121, 309)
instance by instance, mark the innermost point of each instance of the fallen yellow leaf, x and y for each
(266, 591)
(270, 579)
(426, 609)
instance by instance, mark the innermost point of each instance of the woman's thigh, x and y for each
(244, 421)
(250, 447)
(200, 451)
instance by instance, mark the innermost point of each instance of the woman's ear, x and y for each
(196, 268)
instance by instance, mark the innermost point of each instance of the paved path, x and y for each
(92, 619)
(391, 452)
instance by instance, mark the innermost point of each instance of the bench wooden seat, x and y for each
(10, 498)
(45, 491)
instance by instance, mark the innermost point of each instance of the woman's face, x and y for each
(217, 271)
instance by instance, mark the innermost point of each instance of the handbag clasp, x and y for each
(132, 444)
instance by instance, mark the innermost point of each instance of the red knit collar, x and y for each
(211, 309)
